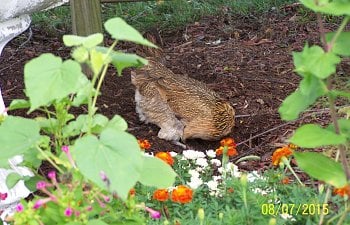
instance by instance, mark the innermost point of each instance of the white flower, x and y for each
(216, 178)
(199, 169)
(193, 173)
(173, 154)
(211, 153)
(195, 182)
(148, 154)
(202, 162)
(215, 162)
(233, 169)
(212, 185)
(260, 191)
(252, 176)
(287, 216)
(192, 154)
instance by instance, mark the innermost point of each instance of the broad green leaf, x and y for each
(342, 43)
(80, 54)
(84, 87)
(122, 60)
(312, 86)
(322, 168)
(48, 125)
(312, 136)
(88, 42)
(157, 173)
(344, 127)
(313, 60)
(96, 222)
(30, 182)
(97, 61)
(118, 123)
(74, 127)
(295, 103)
(333, 7)
(120, 30)
(115, 153)
(12, 179)
(98, 123)
(19, 104)
(47, 78)
(17, 135)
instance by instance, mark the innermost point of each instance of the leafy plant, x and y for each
(94, 156)
(316, 66)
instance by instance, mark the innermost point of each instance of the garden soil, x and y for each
(246, 59)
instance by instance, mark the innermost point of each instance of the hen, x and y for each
(184, 108)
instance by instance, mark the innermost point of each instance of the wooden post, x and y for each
(86, 17)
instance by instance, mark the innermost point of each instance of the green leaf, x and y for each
(342, 43)
(157, 173)
(47, 78)
(12, 179)
(118, 123)
(313, 60)
(122, 31)
(19, 104)
(336, 93)
(80, 54)
(122, 60)
(84, 88)
(30, 182)
(295, 103)
(17, 135)
(99, 121)
(88, 42)
(344, 127)
(312, 136)
(96, 222)
(48, 125)
(312, 87)
(334, 7)
(116, 153)
(322, 168)
(97, 61)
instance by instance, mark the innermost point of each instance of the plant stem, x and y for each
(286, 162)
(49, 159)
(344, 215)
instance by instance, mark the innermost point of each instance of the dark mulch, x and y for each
(247, 60)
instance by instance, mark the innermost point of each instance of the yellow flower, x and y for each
(279, 153)
(166, 157)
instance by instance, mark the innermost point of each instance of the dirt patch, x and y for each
(247, 60)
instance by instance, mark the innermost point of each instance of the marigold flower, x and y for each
(3, 196)
(161, 195)
(231, 151)
(166, 157)
(132, 192)
(292, 146)
(182, 194)
(343, 191)
(285, 180)
(279, 153)
(228, 142)
(144, 144)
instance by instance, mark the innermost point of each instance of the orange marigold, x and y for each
(161, 195)
(182, 194)
(166, 157)
(343, 191)
(132, 192)
(231, 151)
(228, 142)
(279, 153)
(144, 144)
(285, 180)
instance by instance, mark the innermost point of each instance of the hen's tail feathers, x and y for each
(152, 35)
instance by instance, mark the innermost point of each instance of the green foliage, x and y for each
(314, 164)
(312, 136)
(99, 157)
